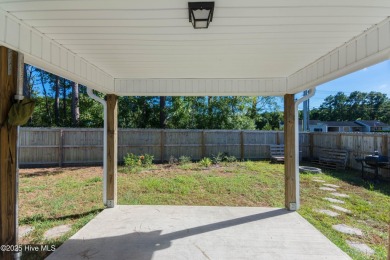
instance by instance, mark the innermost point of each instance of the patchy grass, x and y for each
(52, 197)
(235, 184)
(368, 201)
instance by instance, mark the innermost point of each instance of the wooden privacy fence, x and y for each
(84, 146)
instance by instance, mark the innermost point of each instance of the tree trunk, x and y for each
(57, 100)
(162, 112)
(48, 113)
(210, 112)
(75, 104)
(64, 102)
(26, 87)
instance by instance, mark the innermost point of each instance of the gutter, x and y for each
(311, 93)
(104, 103)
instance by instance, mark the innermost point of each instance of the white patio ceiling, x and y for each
(148, 47)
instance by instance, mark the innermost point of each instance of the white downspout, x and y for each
(311, 93)
(104, 103)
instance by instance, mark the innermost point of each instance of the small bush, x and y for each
(132, 160)
(173, 160)
(223, 157)
(147, 160)
(144, 160)
(217, 158)
(205, 162)
(230, 159)
(184, 160)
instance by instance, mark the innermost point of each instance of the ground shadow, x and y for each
(50, 171)
(41, 218)
(142, 245)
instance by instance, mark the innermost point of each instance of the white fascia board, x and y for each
(44, 53)
(201, 87)
(367, 49)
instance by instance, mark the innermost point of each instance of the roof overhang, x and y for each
(149, 48)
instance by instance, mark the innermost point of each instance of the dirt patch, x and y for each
(35, 172)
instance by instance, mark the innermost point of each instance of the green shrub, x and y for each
(205, 162)
(216, 159)
(223, 157)
(132, 160)
(147, 160)
(143, 160)
(184, 160)
(230, 159)
(173, 160)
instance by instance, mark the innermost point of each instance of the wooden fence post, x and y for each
(61, 148)
(311, 145)
(162, 143)
(242, 145)
(338, 141)
(203, 154)
(385, 147)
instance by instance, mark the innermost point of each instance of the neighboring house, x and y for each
(373, 125)
(334, 126)
(317, 126)
(346, 126)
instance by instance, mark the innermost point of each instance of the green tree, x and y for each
(358, 105)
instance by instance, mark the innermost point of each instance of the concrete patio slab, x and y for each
(195, 232)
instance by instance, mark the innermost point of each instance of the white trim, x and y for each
(369, 48)
(296, 137)
(104, 103)
(44, 53)
(201, 87)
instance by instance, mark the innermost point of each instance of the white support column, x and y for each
(104, 103)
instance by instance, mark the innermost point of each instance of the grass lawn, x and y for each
(52, 197)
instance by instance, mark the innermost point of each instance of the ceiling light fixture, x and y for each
(200, 14)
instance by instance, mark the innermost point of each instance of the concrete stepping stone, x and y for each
(318, 180)
(334, 200)
(340, 209)
(331, 185)
(56, 232)
(25, 230)
(365, 249)
(327, 212)
(341, 195)
(327, 189)
(347, 229)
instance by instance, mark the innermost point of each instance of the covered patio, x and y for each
(191, 232)
(149, 48)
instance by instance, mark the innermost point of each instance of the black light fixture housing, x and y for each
(200, 14)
